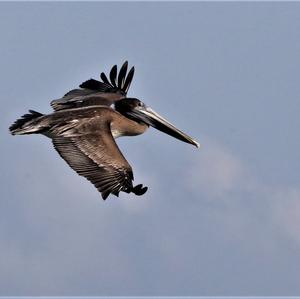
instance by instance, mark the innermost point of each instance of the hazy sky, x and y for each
(222, 220)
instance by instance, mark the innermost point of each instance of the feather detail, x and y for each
(122, 75)
(128, 80)
(113, 75)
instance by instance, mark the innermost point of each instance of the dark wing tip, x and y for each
(139, 189)
(113, 75)
(128, 80)
(104, 79)
(105, 194)
(94, 85)
(119, 83)
(122, 75)
(89, 83)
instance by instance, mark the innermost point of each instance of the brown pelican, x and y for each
(83, 128)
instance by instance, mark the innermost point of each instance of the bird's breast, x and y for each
(117, 133)
(127, 127)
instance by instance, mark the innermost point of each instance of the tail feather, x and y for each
(25, 124)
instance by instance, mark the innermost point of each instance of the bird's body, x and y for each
(84, 121)
(84, 126)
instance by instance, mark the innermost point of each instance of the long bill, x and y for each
(152, 118)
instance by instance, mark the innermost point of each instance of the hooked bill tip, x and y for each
(197, 144)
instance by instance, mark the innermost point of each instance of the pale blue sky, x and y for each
(222, 220)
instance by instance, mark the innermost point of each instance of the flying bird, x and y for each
(87, 120)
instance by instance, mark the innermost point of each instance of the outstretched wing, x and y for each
(89, 148)
(108, 172)
(94, 92)
(107, 178)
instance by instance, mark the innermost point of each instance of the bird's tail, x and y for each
(27, 124)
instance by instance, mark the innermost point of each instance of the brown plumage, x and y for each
(89, 147)
(83, 129)
(95, 92)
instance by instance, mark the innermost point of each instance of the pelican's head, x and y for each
(139, 112)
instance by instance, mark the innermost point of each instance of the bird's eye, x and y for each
(140, 104)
